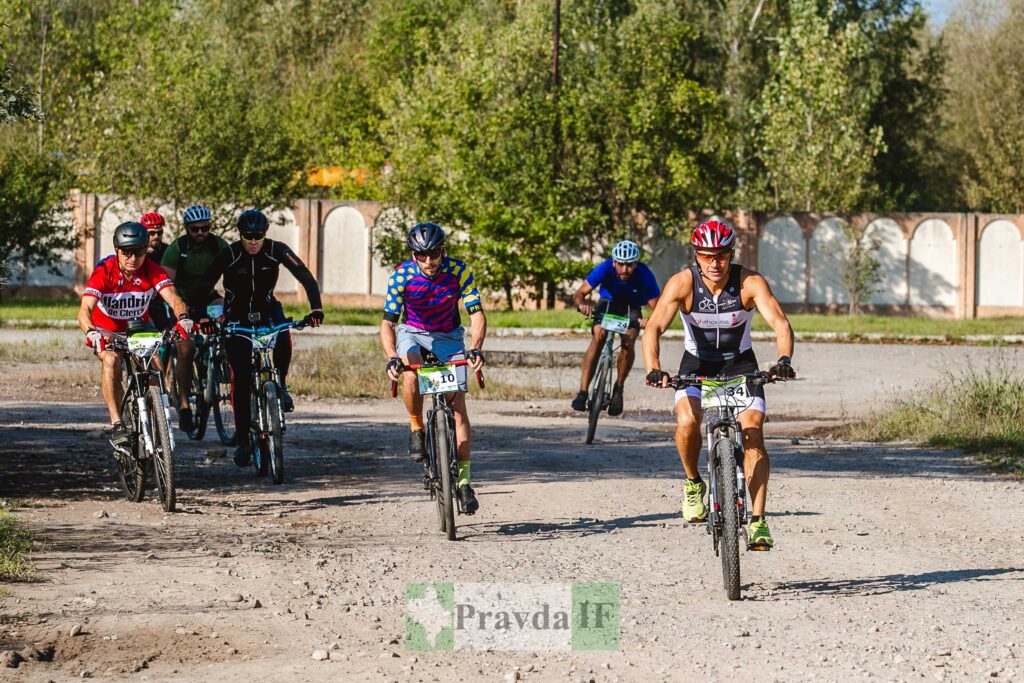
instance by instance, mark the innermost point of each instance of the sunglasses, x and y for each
(626, 264)
(156, 232)
(254, 238)
(135, 252)
(433, 254)
(198, 227)
(720, 257)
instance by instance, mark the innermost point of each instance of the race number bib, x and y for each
(615, 323)
(144, 344)
(731, 393)
(439, 380)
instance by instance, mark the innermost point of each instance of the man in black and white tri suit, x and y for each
(716, 300)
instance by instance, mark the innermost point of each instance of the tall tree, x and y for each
(817, 144)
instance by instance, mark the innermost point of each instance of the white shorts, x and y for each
(757, 403)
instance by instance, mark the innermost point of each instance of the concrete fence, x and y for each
(938, 264)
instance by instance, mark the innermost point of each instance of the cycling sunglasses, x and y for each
(133, 251)
(434, 253)
(254, 237)
(198, 227)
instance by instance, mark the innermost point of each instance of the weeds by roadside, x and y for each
(15, 543)
(354, 368)
(978, 411)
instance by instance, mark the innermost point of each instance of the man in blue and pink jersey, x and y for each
(421, 311)
(119, 290)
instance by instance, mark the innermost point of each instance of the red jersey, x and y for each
(122, 298)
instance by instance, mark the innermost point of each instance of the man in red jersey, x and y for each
(120, 290)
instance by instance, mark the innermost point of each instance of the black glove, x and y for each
(474, 354)
(654, 377)
(782, 369)
(207, 326)
(315, 317)
(395, 364)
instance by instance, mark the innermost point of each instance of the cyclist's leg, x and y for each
(283, 346)
(110, 383)
(756, 465)
(183, 370)
(626, 355)
(688, 432)
(597, 338)
(239, 352)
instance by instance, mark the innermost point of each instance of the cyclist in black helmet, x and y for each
(250, 268)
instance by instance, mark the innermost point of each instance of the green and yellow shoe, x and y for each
(694, 510)
(759, 537)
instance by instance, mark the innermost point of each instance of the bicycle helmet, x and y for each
(152, 220)
(131, 234)
(196, 214)
(713, 234)
(626, 252)
(252, 222)
(426, 236)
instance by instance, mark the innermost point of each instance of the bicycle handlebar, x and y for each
(297, 324)
(119, 340)
(683, 381)
(416, 366)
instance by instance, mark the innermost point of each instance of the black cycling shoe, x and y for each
(242, 455)
(468, 499)
(615, 404)
(287, 403)
(580, 402)
(417, 445)
(120, 437)
(185, 420)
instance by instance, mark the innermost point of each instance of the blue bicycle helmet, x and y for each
(196, 214)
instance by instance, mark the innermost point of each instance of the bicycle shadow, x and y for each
(879, 585)
(576, 527)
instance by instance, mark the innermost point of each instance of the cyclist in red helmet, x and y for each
(159, 314)
(716, 299)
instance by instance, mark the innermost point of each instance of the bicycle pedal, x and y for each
(759, 548)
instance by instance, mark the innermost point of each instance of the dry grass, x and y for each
(15, 544)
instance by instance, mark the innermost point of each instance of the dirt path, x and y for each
(893, 562)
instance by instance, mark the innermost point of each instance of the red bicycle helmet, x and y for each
(152, 220)
(713, 234)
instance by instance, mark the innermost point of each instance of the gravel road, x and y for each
(893, 562)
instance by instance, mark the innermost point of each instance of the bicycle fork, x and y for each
(716, 434)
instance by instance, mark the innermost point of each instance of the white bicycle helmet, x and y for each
(626, 252)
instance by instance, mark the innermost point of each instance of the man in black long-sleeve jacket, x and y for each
(250, 268)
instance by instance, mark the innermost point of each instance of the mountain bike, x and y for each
(721, 399)
(267, 423)
(440, 381)
(146, 413)
(599, 393)
(201, 397)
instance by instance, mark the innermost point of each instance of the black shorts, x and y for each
(608, 306)
(744, 363)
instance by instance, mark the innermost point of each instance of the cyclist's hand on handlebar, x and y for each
(476, 359)
(657, 378)
(394, 368)
(315, 317)
(586, 309)
(184, 325)
(782, 369)
(207, 326)
(95, 340)
(642, 322)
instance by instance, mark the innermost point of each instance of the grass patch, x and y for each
(978, 411)
(49, 351)
(354, 368)
(15, 543)
(898, 325)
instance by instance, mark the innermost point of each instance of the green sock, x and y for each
(463, 472)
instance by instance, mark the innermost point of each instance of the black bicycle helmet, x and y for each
(131, 234)
(252, 222)
(425, 236)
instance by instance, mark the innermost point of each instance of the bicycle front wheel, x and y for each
(163, 456)
(597, 389)
(444, 447)
(273, 443)
(130, 470)
(729, 544)
(218, 374)
(200, 406)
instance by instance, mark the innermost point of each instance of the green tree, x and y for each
(817, 145)
(15, 101)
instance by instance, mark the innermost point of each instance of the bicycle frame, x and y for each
(138, 374)
(263, 340)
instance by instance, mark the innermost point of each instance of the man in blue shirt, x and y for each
(626, 287)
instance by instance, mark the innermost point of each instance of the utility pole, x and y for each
(556, 133)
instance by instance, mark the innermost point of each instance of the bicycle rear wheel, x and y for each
(130, 470)
(444, 445)
(729, 544)
(597, 390)
(163, 456)
(273, 443)
(218, 374)
(197, 399)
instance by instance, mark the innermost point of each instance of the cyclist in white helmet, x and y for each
(626, 287)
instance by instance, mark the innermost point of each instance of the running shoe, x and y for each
(694, 509)
(759, 535)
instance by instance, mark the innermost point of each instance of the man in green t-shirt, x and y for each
(186, 261)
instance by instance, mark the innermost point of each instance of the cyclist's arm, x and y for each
(477, 329)
(170, 295)
(85, 313)
(215, 270)
(667, 305)
(301, 273)
(771, 310)
(582, 293)
(393, 305)
(388, 339)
